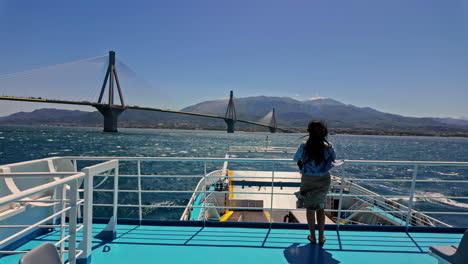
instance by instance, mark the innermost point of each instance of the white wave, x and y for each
(183, 152)
(431, 179)
(448, 173)
(438, 197)
(2, 137)
(50, 140)
(165, 203)
(384, 186)
(433, 197)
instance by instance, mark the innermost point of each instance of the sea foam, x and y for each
(438, 197)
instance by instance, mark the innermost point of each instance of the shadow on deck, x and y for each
(191, 244)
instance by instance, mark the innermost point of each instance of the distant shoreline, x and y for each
(367, 132)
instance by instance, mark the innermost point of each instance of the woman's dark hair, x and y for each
(315, 145)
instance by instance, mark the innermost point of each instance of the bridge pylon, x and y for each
(230, 118)
(111, 111)
(273, 126)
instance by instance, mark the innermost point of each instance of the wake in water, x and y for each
(433, 198)
(448, 173)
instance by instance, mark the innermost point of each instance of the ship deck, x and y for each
(194, 244)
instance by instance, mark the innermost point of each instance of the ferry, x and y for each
(244, 211)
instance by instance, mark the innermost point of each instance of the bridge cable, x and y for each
(19, 74)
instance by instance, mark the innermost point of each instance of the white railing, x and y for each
(65, 185)
(68, 205)
(200, 188)
(114, 164)
(407, 213)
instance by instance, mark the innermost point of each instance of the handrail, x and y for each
(277, 178)
(276, 209)
(208, 178)
(262, 160)
(35, 190)
(68, 204)
(71, 208)
(108, 164)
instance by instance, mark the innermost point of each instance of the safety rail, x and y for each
(108, 168)
(201, 188)
(66, 203)
(69, 206)
(405, 213)
(371, 199)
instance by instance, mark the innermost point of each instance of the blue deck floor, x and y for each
(179, 244)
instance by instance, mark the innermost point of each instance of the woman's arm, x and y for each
(298, 156)
(300, 165)
(332, 154)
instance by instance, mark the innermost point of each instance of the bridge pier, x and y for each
(272, 129)
(111, 115)
(230, 125)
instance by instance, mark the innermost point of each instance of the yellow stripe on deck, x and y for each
(268, 216)
(231, 186)
(226, 216)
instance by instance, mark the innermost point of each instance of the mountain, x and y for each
(290, 113)
(294, 113)
(48, 116)
(129, 118)
(451, 121)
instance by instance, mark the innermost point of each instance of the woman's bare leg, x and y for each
(321, 224)
(311, 223)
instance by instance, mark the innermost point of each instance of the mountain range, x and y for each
(290, 114)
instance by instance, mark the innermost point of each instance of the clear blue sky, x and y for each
(400, 56)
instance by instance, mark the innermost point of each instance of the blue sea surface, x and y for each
(21, 143)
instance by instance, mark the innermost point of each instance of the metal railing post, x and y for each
(72, 222)
(116, 199)
(140, 211)
(63, 221)
(272, 188)
(204, 168)
(86, 243)
(75, 168)
(340, 202)
(204, 194)
(411, 198)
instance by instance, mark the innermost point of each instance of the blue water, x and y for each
(20, 143)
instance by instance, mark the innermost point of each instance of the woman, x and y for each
(315, 158)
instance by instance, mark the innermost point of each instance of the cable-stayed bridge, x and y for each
(111, 110)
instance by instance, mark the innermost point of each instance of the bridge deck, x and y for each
(53, 101)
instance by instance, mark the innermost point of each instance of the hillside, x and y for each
(339, 116)
(290, 113)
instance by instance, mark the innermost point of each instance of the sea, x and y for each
(22, 143)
